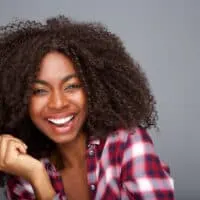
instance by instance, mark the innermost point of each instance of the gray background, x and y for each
(164, 37)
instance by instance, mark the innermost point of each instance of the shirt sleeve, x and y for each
(144, 176)
(17, 188)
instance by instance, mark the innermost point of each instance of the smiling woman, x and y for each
(58, 105)
(75, 109)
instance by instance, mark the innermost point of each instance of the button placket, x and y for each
(92, 167)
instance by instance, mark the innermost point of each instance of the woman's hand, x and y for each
(14, 159)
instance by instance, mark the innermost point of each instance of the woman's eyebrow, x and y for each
(42, 82)
(65, 79)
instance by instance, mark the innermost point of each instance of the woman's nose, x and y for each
(57, 100)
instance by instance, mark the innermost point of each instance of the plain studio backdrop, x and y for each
(164, 37)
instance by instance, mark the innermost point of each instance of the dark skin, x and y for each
(58, 108)
(57, 99)
(75, 170)
(118, 95)
(116, 87)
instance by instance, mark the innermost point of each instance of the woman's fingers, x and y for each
(13, 150)
(14, 159)
(10, 148)
(3, 147)
(8, 137)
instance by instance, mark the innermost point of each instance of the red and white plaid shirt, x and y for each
(124, 166)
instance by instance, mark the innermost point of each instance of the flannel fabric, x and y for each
(124, 166)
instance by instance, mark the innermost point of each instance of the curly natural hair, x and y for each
(118, 92)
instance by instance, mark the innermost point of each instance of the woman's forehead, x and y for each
(55, 64)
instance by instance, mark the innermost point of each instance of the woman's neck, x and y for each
(73, 153)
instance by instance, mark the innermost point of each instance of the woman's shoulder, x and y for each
(126, 141)
(133, 135)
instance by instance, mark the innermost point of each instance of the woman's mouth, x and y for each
(61, 125)
(61, 121)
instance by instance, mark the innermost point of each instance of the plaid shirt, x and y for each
(124, 166)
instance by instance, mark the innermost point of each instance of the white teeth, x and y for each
(61, 121)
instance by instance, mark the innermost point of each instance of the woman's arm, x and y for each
(41, 188)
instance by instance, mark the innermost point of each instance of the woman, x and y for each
(75, 108)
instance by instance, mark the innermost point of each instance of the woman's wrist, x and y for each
(42, 185)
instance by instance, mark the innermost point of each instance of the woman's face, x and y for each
(58, 106)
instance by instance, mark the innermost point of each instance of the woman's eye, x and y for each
(39, 92)
(72, 87)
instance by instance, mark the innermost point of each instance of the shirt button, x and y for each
(92, 187)
(91, 152)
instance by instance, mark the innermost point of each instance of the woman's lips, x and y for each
(62, 125)
(61, 121)
(59, 115)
